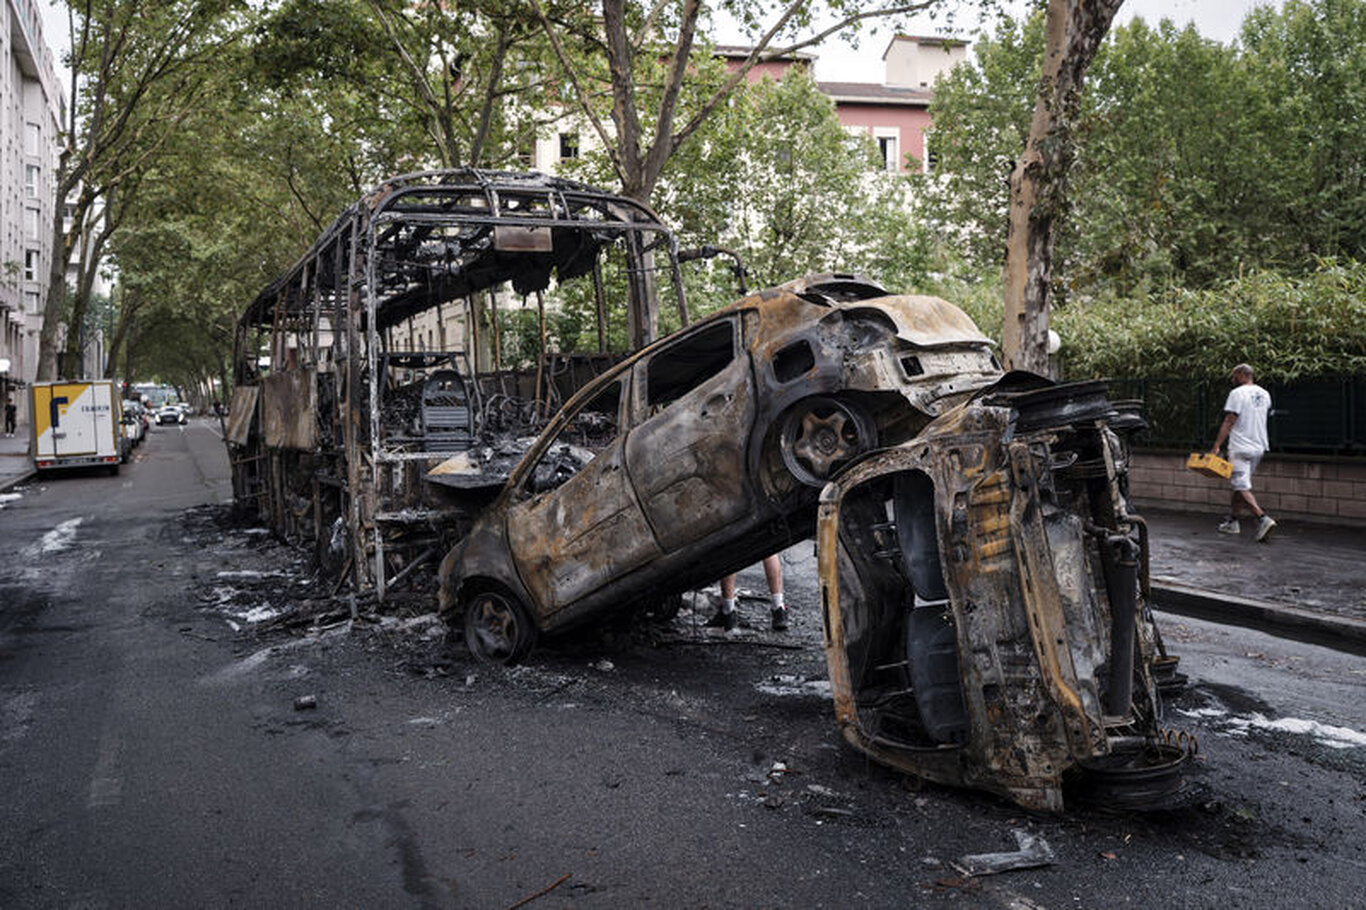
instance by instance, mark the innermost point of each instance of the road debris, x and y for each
(543, 892)
(1034, 852)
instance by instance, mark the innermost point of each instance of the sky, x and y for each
(1215, 19)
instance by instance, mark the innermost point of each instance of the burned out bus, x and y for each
(377, 357)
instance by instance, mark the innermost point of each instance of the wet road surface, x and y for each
(154, 756)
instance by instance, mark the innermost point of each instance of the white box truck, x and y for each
(76, 423)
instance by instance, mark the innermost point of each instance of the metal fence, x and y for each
(1319, 416)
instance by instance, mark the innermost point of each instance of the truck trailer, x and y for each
(75, 424)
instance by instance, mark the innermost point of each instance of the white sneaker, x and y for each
(1229, 526)
(1265, 526)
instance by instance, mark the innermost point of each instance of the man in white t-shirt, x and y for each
(1244, 428)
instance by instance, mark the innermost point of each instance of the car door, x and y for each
(577, 525)
(686, 456)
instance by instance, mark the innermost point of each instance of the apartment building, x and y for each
(895, 112)
(31, 113)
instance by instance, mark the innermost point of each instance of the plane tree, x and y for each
(1073, 32)
(136, 73)
(644, 76)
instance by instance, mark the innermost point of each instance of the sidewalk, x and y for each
(15, 464)
(1307, 582)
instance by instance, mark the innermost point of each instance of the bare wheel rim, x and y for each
(821, 435)
(495, 626)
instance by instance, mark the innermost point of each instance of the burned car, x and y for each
(705, 452)
(983, 590)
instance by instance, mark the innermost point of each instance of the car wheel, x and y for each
(498, 629)
(820, 435)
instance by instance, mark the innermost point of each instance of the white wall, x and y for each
(918, 62)
(31, 111)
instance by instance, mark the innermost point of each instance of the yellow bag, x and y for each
(1209, 465)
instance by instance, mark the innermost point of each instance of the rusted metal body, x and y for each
(984, 597)
(705, 452)
(341, 406)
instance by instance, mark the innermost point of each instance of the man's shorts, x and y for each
(1244, 464)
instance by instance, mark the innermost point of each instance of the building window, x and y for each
(31, 301)
(33, 138)
(30, 223)
(31, 175)
(931, 164)
(886, 147)
(569, 145)
(30, 265)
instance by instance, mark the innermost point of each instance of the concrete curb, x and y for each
(13, 480)
(1340, 633)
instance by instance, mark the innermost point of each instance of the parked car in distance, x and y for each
(170, 413)
(127, 437)
(704, 453)
(143, 413)
(134, 424)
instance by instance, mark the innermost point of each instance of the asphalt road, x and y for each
(152, 755)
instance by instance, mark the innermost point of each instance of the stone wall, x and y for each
(1321, 489)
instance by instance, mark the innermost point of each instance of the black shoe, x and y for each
(779, 616)
(728, 621)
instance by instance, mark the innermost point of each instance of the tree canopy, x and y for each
(1196, 161)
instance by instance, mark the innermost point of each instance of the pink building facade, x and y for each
(894, 113)
(897, 120)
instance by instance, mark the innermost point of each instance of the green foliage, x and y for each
(1196, 160)
(1310, 60)
(774, 178)
(1289, 326)
(981, 117)
(777, 179)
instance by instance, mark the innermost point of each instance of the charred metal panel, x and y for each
(572, 540)
(241, 413)
(287, 410)
(687, 462)
(926, 321)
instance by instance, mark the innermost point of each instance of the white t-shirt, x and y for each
(1251, 403)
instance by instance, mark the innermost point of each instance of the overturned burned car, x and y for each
(984, 603)
(705, 452)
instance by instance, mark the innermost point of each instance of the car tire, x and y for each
(498, 629)
(819, 435)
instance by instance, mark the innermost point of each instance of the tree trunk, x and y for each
(1074, 30)
(63, 242)
(88, 266)
(128, 304)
